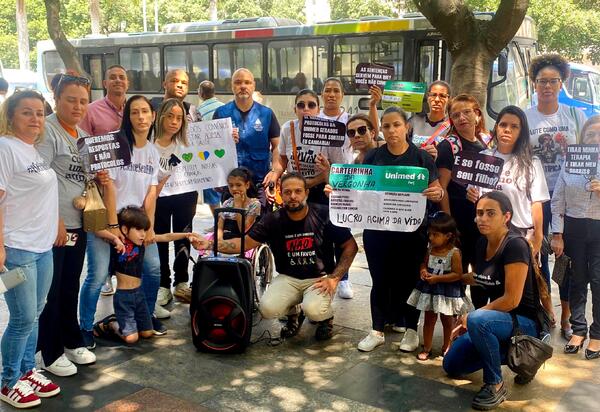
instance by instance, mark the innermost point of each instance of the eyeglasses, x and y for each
(302, 105)
(359, 131)
(466, 113)
(441, 96)
(545, 82)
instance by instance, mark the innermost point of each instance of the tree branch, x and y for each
(505, 23)
(65, 49)
(452, 18)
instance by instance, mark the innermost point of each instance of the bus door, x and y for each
(431, 60)
(96, 65)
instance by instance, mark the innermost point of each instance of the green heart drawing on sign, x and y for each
(204, 155)
(187, 157)
(220, 153)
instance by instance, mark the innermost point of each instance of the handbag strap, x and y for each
(516, 329)
(294, 146)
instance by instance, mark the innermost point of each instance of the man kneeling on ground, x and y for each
(302, 240)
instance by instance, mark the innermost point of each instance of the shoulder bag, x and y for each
(94, 213)
(526, 354)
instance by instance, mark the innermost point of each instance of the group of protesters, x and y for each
(495, 241)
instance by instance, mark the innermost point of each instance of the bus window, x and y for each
(296, 65)
(578, 86)
(93, 65)
(349, 51)
(513, 90)
(192, 58)
(142, 65)
(53, 65)
(227, 58)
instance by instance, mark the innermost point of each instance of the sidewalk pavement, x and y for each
(301, 374)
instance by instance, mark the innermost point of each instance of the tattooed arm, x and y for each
(230, 246)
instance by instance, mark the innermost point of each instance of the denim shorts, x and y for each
(131, 311)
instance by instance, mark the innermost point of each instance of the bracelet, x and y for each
(113, 226)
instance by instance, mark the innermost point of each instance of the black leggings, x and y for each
(394, 259)
(181, 209)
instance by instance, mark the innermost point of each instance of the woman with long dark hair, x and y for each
(136, 185)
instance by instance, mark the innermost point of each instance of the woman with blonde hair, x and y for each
(26, 238)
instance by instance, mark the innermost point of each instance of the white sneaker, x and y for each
(160, 312)
(399, 329)
(371, 341)
(410, 341)
(345, 290)
(80, 356)
(60, 367)
(164, 296)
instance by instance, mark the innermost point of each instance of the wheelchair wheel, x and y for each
(263, 263)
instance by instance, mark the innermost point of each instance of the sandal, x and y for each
(424, 355)
(103, 330)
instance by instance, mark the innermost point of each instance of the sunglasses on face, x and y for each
(302, 105)
(359, 131)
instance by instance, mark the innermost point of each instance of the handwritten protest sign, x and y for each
(208, 159)
(407, 95)
(372, 74)
(472, 168)
(323, 132)
(378, 197)
(582, 159)
(103, 152)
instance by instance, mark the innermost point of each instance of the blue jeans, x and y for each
(98, 259)
(485, 344)
(25, 304)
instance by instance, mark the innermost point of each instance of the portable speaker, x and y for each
(222, 300)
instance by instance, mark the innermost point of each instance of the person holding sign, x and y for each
(552, 127)
(60, 340)
(392, 286)
(430, 129)
(135, 185)
(467, 134)
(170, 139)
(28, 229)
(576, 233)
(505, 265)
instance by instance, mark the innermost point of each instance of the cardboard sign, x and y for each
(208, 159)
(582, 159)
(471, 168)
(378, 197)
(103, 152)
(317, 131)
(372, 74)
(407, 95)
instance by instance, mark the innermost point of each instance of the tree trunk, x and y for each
(65, 49)
(473, 43)
(22, 35)
(95, 16)
(212, 10)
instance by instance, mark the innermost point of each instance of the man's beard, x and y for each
(301, 205)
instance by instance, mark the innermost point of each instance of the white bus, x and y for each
(281, 52)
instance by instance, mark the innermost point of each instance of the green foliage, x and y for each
(354, 9)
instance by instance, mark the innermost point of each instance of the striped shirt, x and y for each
(207, 108)
(571, 199)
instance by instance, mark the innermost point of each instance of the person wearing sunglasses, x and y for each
(303, 158)
(576, 233)
(60, 341)
(429, 129)
(552, 127)
(362, 136)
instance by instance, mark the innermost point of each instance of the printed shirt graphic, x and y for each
(549, 137)
(131, 261)
(30, 202)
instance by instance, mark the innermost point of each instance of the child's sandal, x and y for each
(424, 355)
(103, 330)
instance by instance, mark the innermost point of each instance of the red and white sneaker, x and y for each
(42, 386)
(20, 396)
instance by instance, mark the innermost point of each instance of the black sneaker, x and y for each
(159, 328)
(489, 398)
(292, 326)
(324, 329)
(88, 339)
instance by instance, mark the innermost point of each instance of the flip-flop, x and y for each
(424, 355)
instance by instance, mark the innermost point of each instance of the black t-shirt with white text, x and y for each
(413, 156)
(302, 249)
(490, 273)
(447, 149)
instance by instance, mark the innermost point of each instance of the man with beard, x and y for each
(302, 240)
(256, 132)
